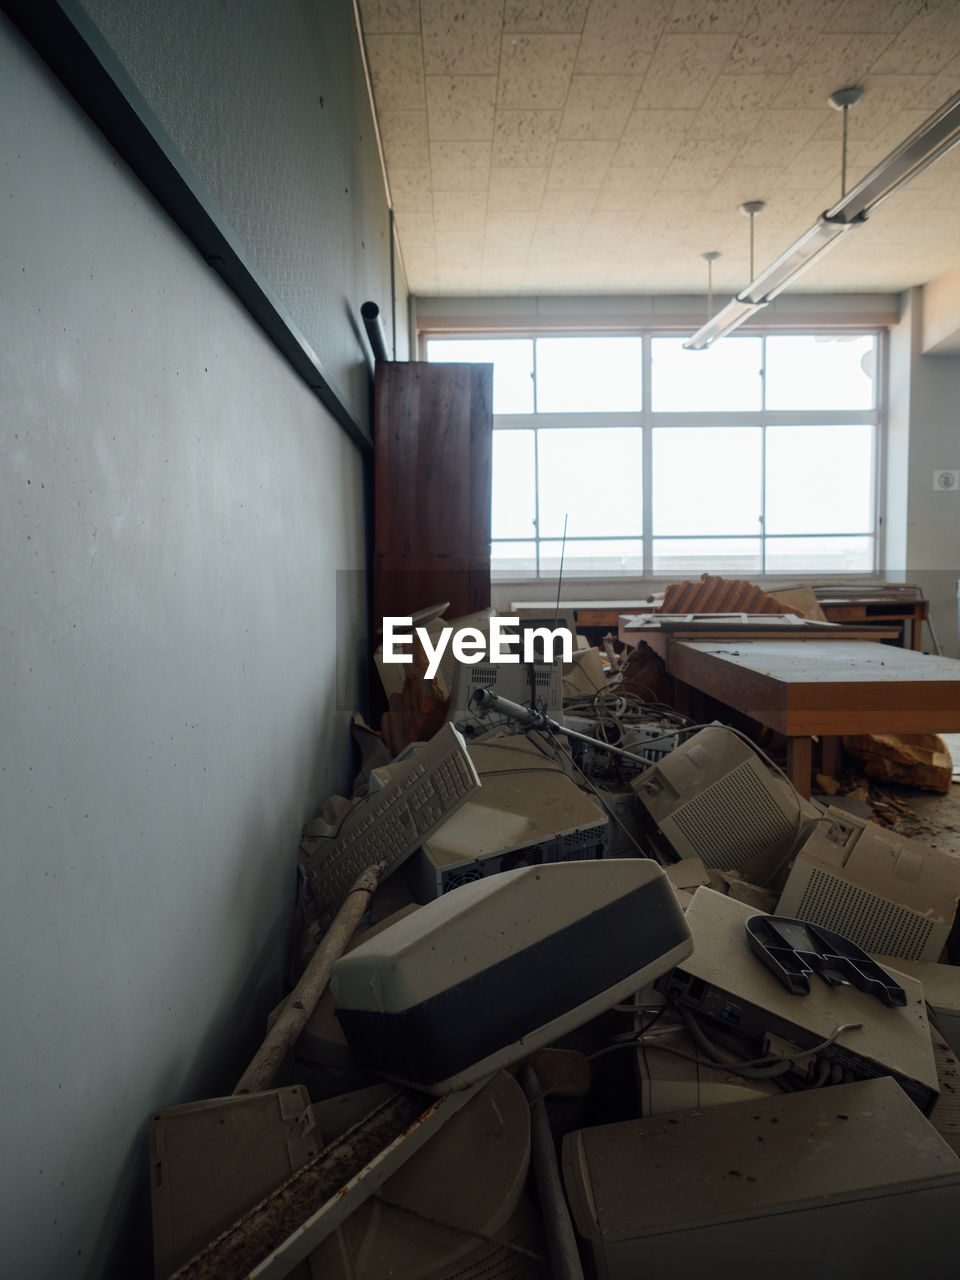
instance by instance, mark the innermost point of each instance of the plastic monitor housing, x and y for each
(880, 890)
(481, 977)
(713, 798)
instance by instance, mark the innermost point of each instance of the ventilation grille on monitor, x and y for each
(733, 820)
(871, 922)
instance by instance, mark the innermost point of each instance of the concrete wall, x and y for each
(175, 688)
(925, 436)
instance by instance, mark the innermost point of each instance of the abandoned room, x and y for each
(479, 659)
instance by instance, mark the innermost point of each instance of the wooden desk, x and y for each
(659, 631)
(880, 611)
(804, 688)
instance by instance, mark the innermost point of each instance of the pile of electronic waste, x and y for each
(620, 1000)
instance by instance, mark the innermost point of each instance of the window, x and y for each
(628, 455)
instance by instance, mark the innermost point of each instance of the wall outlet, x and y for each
(946, 481)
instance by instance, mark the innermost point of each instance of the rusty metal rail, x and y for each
(272, 1237)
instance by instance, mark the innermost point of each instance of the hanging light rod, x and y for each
(933, 139)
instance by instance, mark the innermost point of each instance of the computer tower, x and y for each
(713, 798)
(841, 1182)
(527, 812)
(483, 975)
(882, 891)
(725, 982)
(529, 684)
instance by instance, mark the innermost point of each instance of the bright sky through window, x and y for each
(757, 454)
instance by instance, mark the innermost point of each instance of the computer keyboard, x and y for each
(412, 798)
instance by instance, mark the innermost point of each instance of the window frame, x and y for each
(647, 420)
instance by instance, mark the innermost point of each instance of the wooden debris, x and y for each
(719, 595)
(914, 760)
(302, 1001)
(645, 676)
(826, 785)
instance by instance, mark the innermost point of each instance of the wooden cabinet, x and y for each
(433, 435)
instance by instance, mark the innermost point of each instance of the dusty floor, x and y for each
(937, 820)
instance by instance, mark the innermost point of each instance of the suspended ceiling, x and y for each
(601, 146)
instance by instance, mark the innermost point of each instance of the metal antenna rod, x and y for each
(563, 547)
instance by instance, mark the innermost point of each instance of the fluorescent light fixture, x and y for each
(934, 138)
(724, 322)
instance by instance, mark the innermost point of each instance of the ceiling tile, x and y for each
(460, 166)
(778, 137)
(404, 137)
(683, 70)
(545, 16)
(886, 100)
(735, 104)
(525, 139)
(610, 229)
(396, 68)
(628, 189)
(860, 17)
(740, 183)
(573, 202)
(652, 138)
(815, 163)
(510, 230)
(460, 108)
(410, 189)
(621, 35)
(516, 190)
(535, 71)
(708, 16)
(598, 107)
(459, 210)
(776, 35)
(926, 44)
(830, 63)
(941, 86)
(390, 17)
(580, 164)
(463, 249)
(455, 281)
(461, 38)
(697, 165)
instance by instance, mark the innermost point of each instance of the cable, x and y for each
(770, 1066)
(560, 745)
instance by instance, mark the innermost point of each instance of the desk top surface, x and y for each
(823, 661)
(803, 687)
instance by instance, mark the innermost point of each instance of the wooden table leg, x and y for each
(916, 630)
(799, 760)
(830, 754)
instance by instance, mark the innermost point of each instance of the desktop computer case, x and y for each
(509, 823)
(844, 1181)
(726, 982)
